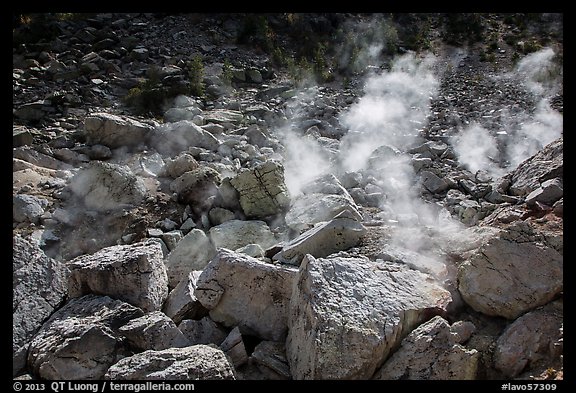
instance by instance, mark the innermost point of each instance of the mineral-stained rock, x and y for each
(529, 339)
(181, 164)
(196, 187)
(115, 131)
(133, 273)
(430, 352)
(39, 286)
(512, 272)
(324, 239)
(203, 331)
(80, 340)
(181, 302)
(197, 362)
(154, 330)
(105, 186)
(246, 292)
(549, 192)
(234, 234)
(347, 314)
(193, 252)
(262, 190)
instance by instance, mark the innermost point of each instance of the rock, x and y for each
(133, 273)
(347, 314)
(243, 291)
(193, 252)
(28, 208)
(174, 115)
(254, 75)
(21, 136)
(548, 163)
(173, 138)
(430, 352)
(262, 191)
(39, 286)
(32, 156)
(272, 355)
(223, 116)
(462, 331)
(183, 163)
(80, 340)
(415, 260)
(153, 331)
(181, 302)
(433, 183)
(115, 131)
(218, 215)
(234, 348)
(309, 209)
(339, 234)
(31, 111)
(529, 339)
(511, 273)
(253, 250)
(234, 234)
(196, 187)
(104, 186)
(197, 362)
(549, 192)
(203, 331)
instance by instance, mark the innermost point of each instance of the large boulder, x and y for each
(81, 340)
(193, 252)
(28, 208)
(246, 292)
(39, 286)
(173, 138)
(203, 331)
(547, 164)
(309, 209)
(347, 314)
(234, 234)
(197, 362)
(154, 330)
(181, 302)
(511, 273)
(431, 352)
(115, 131)
(196, 187)
(262, 190)
(530, 339)
(133, 273)
(325, 238)
(104, 186)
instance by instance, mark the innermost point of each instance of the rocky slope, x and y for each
(400, 221)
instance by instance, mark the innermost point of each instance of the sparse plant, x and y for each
(227, 72)
(196, 75)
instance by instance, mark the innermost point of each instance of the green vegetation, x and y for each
(196, 74)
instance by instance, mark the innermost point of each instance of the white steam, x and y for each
(394, 106)
(523, 134)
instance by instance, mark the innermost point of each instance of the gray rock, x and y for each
(253, 250)
(433, 183)
(218, 215)
(155, 331)
(80, 340)
(31, 111)
(32, 156)
(272, 355)
(181, 302)
(173, 138)
(339, 234)
(262, 191)
(174, 115)
(133, 273)
(430, 352)
(171, 239)
(223, 116)
(243, 291)
(309, 209)
(196, 187)
(39, 286)
(548, 163)
(347, 314)
(511, 273)
(115, 131)
(233, 347)
(28, 208)
(181, 164)
(197, 362)
(549, 192)
(529, 339)
(21, 136)
(203, 331)
(104, 186)
(193, 252)
(234, 234)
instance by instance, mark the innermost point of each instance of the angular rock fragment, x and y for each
(181, 302)
(203, 331)
(133, 273)
(155, 331)
(234, 234)
(115, 131)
